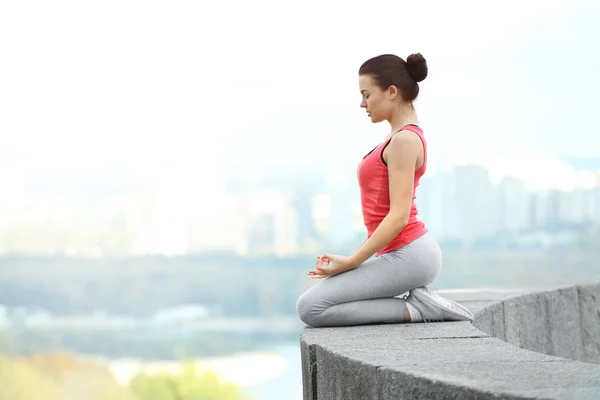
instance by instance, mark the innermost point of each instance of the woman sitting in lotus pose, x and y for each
(399, 255)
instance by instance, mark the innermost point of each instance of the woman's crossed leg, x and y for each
(370, 293)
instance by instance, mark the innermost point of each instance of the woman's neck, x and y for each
(402, 117)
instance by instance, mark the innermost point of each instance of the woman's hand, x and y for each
(335, 265)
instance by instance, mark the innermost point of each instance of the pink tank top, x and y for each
(375, 194)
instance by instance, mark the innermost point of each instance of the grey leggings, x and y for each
(366, 294)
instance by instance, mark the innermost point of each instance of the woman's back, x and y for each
(373, 179)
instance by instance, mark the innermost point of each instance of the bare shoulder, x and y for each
(406, 140)
(406, 145)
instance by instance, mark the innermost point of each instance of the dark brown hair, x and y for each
(388, 69)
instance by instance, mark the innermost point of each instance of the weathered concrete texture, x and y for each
(491, 320)
(589, 307)
(564, 319)
(527, 322)
(389, 334)
(517, 379)
(547, 332)
(547, 321)
(309, 369)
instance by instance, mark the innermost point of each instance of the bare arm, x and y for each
(402, 156)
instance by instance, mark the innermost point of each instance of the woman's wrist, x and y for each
(355, 260)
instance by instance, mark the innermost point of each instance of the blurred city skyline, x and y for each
(281, 212)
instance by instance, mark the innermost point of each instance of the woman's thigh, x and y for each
(392, 274)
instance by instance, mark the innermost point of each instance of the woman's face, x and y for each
(379, 104)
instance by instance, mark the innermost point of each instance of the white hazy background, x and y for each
(193, 85)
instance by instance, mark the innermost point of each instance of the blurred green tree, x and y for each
(189, 384)
(20, 380)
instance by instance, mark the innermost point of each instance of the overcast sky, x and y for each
(134, 84)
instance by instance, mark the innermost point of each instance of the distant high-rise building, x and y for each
(467, 203)
(300, 191)
(513, 206)
(342, 186)
(321, 212)
(536, 212)
(430, 204)
(272, 224)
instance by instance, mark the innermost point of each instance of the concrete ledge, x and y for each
(522, 345)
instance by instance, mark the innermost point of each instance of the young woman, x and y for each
(399, 255)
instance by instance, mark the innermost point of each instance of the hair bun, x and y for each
(416, 65)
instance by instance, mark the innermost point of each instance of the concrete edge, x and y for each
(328, 353)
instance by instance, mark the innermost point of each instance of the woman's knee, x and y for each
(303, 308)
(308, 309)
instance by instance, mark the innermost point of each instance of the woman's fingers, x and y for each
(317, 274)
(320, 271)
(324, 259)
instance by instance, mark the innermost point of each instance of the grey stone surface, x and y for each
(309, 369)
(565, 323)
(490, 320)
(527, 322)
(589, 306)
(590, 393)
(438, 352)
(342, 377)
(498, 379)
(391, 333)
(546, 331)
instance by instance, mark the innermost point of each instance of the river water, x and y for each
(287, 385)
(273, 373)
